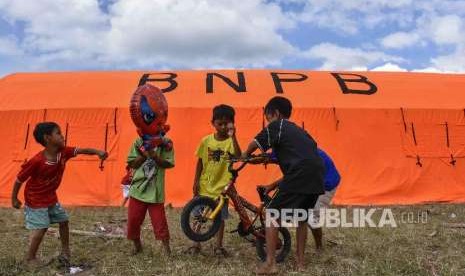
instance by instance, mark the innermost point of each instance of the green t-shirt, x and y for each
(148, 181)
(215, 175)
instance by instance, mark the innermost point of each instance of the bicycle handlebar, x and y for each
(233, 159)
(244, 161)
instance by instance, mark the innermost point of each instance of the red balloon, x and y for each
(149, 110)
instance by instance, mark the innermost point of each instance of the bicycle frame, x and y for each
(241, 205)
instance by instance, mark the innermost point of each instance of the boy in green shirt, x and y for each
(212, 175)
(147, 192)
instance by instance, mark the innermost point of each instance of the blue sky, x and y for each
(399, 35)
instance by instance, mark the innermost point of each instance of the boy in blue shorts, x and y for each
(43, 174)
(331, 181)
(302, 169)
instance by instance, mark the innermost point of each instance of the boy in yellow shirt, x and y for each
(212, 175)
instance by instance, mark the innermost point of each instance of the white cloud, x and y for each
(400, 40)
(150, 33)
(389, 67)
(454, 62)
(212, 32)
(335, 57)
(429, 70)
(348, 17)
(155, 34)
(9, 46)
(447, 29)
(54, 25)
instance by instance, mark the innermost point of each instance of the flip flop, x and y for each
(193, 250)
(220, 251)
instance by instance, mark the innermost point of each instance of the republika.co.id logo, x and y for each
(343, 217)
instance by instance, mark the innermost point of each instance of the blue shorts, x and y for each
(41, 218)
(225, 210)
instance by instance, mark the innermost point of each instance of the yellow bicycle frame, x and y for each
(218, 208)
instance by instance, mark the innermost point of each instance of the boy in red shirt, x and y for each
(43, 174)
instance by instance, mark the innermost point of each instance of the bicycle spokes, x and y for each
(199, 219)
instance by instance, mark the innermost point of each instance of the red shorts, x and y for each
(136, 215)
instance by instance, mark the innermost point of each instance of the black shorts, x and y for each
(284, 200)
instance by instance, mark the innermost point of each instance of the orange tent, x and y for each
(397, 138)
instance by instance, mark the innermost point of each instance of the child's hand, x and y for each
(268, 188)
(102, 154)
(231, 129)
(196, 190)
(16, 203)
(153, 154)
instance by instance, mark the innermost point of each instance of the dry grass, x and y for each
(410, 249)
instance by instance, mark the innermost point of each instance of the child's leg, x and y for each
(124, 202)
(219, 249)
(301, 240)
(136, 216)
(306, 203)
(35, 239)
(220, 235)
(125, 190)
(57, 214)
(64, 237)
(271, 236)
(318, 237)
(37, 220)
(160, 225)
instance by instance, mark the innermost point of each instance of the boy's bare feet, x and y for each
(266, 269)
(299, 267)
(137, 247)
(64, 260)
(167, 248)
(34, 264)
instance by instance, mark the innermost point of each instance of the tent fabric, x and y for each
(396, 138)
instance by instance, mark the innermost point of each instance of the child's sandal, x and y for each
(193, 250)
(63, 260)
(220, 251)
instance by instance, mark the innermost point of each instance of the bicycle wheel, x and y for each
(194, 219)
(283, 246)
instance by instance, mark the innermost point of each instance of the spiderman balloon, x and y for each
(149, 112)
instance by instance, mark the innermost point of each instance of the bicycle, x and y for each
(201, 217)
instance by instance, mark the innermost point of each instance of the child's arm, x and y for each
(266, 139)
(138, 161)
(198, 172)
(272, 186)
(161, 162)
(232, 134)
(250, 149)
(28, 169)
(101, 154)
(15, 202)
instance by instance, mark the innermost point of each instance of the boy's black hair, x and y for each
(281, 104)
(45, 128)
(223, 111)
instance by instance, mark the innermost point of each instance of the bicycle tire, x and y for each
(186, 214)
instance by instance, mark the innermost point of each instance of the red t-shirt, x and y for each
(44, 178)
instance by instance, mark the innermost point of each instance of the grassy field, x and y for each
(436, 247)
